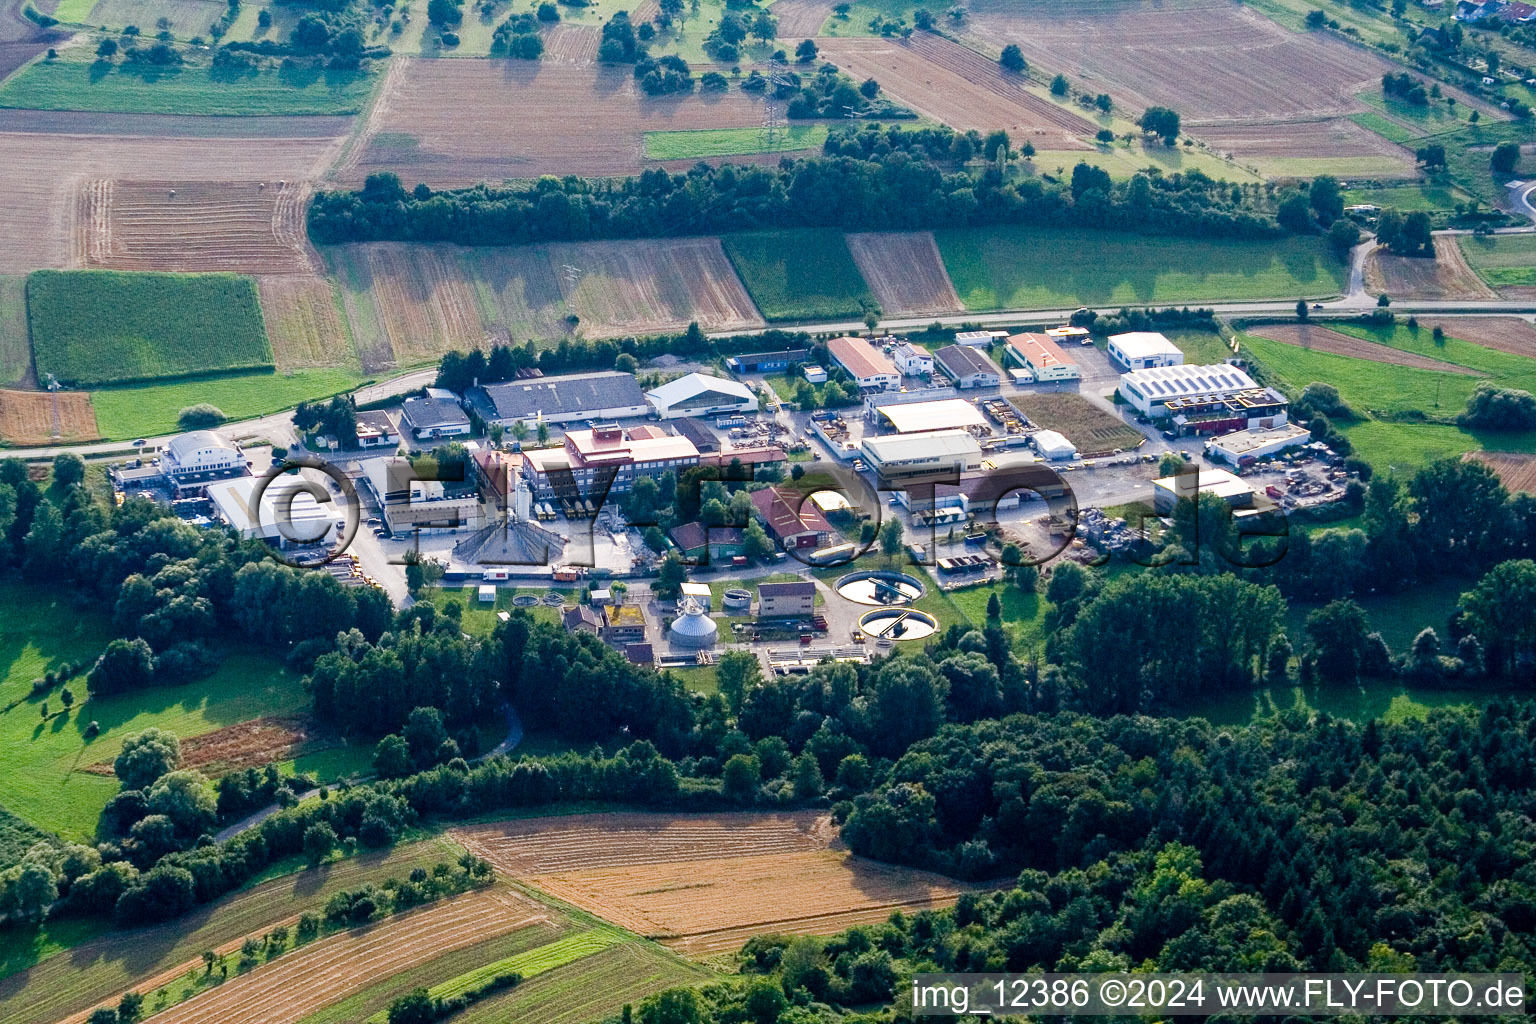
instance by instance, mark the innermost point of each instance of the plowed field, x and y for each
(1517, 471)
(644, 287)
(446, 122)
(303, 323)
(247, 227)
(956, 85)
(1505, 333)
(299, 983)
(44, 174)
(1447, 276)
(905, 272)
(702, 884)
(37, 417)
(1321, 339)
(1211, 60)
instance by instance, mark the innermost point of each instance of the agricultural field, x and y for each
(905, 272)
(249, 227)
(38, 984)
(304, 325)
(622, 288)
(41, 417)
(1124, 160)
(1501, 261)
(704, 884)
(15, 351)
(1214, 62)
(149, 410)
(799, 274)
(950, 83)
(1445, 276)
(78, 81)
(101, 326)
(1321, 339)
(592, 988)
(1517, 472)
(1090, 429)
(710, 142)
(40, 201)
(1305, 149)
(1020, 267)
(1502, 333)
(1423, 197)
(444, 121)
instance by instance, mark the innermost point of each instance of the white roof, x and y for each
(1052, 441)
(695, 590)
(1161, 383)
(936, 444)
(684, 388)
(183, 445)
(1143, 344)
(949, 414)
(1241, 442)
(1214, 481)
(299, 519)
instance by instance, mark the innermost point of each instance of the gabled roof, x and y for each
(797, 589)
(1040, 350)
(860, 358)
(698, 385)
(962, 361)
(779, 511)
(562, 396)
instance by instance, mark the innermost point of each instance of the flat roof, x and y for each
(560, 396)
(1241, 442)
(949, 414)
(1212, 481)
(1040, 350)
(860, 358)
(298, 518)
(590, 446)
(1144, 344)
(936, 444)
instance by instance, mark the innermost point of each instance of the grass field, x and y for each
(1023, 614)
(1427, 198)
(1504, 367)
(39, 781)
(1502, 261)
(1386, 128)
(1021, 268)
(1200, 347)
(106, 326)
(799, 274)
(147, 410)
(480, 619)
(82, 83)
(1405, 448)
(706, 142)
(15, 351)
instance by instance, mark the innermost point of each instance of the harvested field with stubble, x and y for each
(445, 121)
(705, 883)
(572, 44)
(802, 18)
(406, 303)
(905, 271)
(644, 287)
(297, 984)
(46, 171)
(1504, 333)
(1321, 339)
(37, 417)
(590, 989)
(1517, 471)
(1212, 60)
(958, 86)
(1292, 149)
(1447, 276)
(249, 227)
(303, 323)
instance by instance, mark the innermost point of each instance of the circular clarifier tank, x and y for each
(898, 624)
(880, 588)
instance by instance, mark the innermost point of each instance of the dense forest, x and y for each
(890, 179)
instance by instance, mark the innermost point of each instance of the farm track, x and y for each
(308, 979)
(1321, 339)
(242, 227)
(905, 271)
(958, 86)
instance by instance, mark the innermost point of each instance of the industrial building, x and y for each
(609, 395)
(1053, 445)
(409, 504)
(865, 363)
(700, 394)
(912, 359)
(967, 367)
(786, 600)
(199, 456)
(1204, 399)
(605, 453)
(1043, 358)
(376, 430)
(1244, 446)
(708, 544)
(794, 523)
(979, 339)
(879, 400)
(767, 362)
(915, 456)
(1141, 350)
(921, 417)
(433, 417)
(288, 515)
(1167, 491)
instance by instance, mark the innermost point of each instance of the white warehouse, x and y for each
(700, 394)
(1140, 350)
